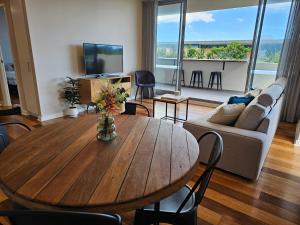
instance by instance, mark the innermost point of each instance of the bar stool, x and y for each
(218, 76)
(196, 76)
(182, 77)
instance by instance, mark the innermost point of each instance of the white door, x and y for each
(4, 92)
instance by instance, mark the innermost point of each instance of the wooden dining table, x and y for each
(63, 166)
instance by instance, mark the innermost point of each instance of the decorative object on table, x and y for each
(111, 102)
(72, 96)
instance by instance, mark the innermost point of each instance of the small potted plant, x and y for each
(72, 96)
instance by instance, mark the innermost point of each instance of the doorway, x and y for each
(169, 49)
(9, 86)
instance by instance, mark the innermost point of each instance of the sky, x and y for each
(226, 24)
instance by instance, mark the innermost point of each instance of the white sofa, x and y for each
(244, 150)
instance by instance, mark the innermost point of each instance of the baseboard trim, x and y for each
(297, 135)
(50, 117)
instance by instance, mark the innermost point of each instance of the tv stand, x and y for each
(89, 88)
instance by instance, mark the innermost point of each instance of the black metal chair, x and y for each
(144, 79)
(197, 75)
(39, 217)
(181, 207)
(4, 139)
(218, 76)
(130, 108)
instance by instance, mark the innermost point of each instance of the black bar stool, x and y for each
(182, 77)
(218, 76)
(196, 76)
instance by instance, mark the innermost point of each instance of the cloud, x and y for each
(205, 17)
(283, 6)
(240, 20)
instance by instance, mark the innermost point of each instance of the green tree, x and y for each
(271, 56)
(234, 50)
(194, 53)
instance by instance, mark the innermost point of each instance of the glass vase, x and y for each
(106, 129)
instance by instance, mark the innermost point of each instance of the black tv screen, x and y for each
(100, 59)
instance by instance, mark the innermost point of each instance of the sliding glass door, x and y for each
(170, 27)
(268, 42)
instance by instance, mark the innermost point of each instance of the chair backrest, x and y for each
(203, 181)
(144, 77)
(4, 139)
(38, 217)
(130, 108)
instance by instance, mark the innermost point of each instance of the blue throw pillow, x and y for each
(240, 100)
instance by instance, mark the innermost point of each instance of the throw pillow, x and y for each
(227, 114)
(240, 99)
(251, 117)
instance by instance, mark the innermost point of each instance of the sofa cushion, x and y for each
(270, 95)
(226, 114)
(251, 117)
(264, 125)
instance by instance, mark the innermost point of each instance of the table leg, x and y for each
(175, 113)
(156, 213)
(187, 109)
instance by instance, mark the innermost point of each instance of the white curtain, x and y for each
(149, 35)
(290, 65)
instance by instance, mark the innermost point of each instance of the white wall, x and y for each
(58, 29)
(234, 76)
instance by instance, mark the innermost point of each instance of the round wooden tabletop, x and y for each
(63, 166)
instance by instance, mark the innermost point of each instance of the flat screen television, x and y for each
(101, 59)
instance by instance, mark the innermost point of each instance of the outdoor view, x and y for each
(223, 34)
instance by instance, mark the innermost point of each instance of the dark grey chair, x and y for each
(144, 79)
(39, 217)
(4, 139)
(130, 108)
(181, 207)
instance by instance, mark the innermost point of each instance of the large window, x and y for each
(271, 41)
(217, 34)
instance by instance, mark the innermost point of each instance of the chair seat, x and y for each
(146, 85)
(172, 203)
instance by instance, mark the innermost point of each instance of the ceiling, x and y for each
(207, 5)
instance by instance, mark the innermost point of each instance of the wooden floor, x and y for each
(273, 199)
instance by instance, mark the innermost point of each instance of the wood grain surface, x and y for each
(63, 166)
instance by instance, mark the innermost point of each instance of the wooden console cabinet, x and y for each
(90, 87)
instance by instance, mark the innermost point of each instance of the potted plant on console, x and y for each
(72, 96)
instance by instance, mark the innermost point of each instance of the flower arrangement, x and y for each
(111, 99)
(111, 102)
